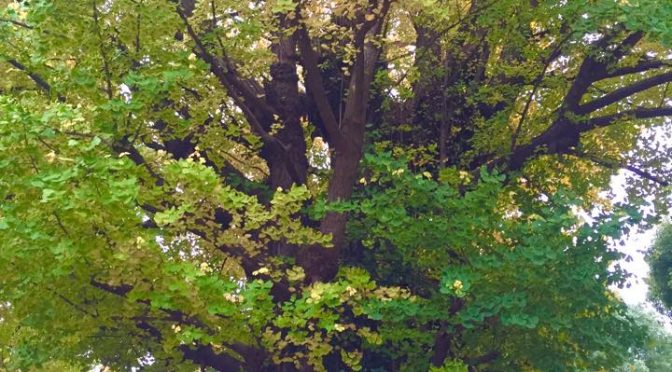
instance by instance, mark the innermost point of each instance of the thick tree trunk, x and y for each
(287, 165)
(286, 158)
(321, 264)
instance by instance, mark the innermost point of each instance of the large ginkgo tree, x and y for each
(282, 185)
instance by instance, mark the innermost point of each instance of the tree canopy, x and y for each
(659, 259)
(282, 185)
(655, 354)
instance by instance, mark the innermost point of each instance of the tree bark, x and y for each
(322, 263)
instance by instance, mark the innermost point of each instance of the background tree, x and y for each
(369, 184)
(656, 353)
(659, 259)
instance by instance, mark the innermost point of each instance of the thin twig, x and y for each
(17, 23)
(103, 53)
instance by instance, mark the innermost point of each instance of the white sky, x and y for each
(635, 296)
(635, 246)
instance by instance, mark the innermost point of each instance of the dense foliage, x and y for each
(655, 354)
(659, 258)
(372, 185)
